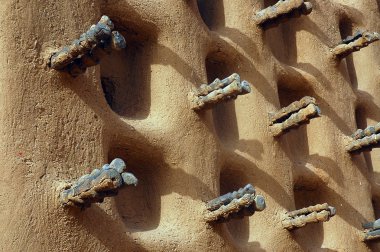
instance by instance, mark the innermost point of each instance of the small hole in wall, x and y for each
(212, 13)
(232, 180)
(140, 206)
(224, 114)
(346, 28)
(125, 76)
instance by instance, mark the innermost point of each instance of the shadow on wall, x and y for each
(232, 180)
(140, 207)
(106, 229)
(363, 115)
(212, 13)
(261, 179)
(346, 28)
(239, 229)
(288, 52)
(297, 138)
(311, 236)
(282, 39)
(293, 78)
(125, 76)
(376, 207)
(361, 123)
(224, 114)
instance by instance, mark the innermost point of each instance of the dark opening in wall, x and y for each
(140, 206)
(212, 13)
(232, 180)
(346, 28)
(224, 114)
(361, 118)
(125, 76)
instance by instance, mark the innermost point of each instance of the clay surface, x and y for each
(134, 105)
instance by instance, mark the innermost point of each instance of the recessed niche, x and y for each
(212, 13)
(346, 28)
(372, 157)
(224, 114)
(296, 137)
(361, 123)
(125, 76)
(305, 198)
(140, 206)
(232, 180)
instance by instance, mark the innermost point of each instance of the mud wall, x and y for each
(134, 105)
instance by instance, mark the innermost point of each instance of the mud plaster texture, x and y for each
(54, 127)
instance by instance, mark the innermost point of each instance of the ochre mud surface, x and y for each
(134, 105)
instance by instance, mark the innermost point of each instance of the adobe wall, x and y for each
(54, 127)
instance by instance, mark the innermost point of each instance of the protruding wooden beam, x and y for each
(282, 11)
(88, 49)
(372, 231)
(238, 204)
(354, 43)
(292, 116)
(364, 139)
(218, 91)
(302, 217)
(97, 185)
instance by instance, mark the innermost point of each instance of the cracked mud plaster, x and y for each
(292, 116)
(101, 183)
(313, 214)
(282, 11)
(237, 204)
(218, 91)
(88, 49)
(354, 43)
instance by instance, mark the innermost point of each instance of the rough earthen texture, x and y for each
(54, 127)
